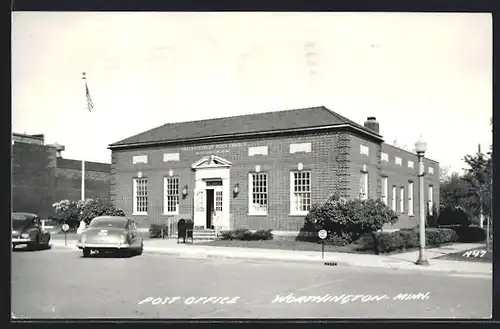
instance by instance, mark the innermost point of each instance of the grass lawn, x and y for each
(471, 255)
(286, 245)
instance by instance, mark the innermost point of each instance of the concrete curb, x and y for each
(197, 254)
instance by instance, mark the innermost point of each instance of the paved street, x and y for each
(59, 283)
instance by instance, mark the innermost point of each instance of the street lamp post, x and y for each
(420, 148)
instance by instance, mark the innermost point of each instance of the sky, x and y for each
(419, 74)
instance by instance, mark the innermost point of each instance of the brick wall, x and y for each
(335, 163)
(328, 157)
(39, 179)
(33, 172)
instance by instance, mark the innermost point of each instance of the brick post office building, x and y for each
(263, 170)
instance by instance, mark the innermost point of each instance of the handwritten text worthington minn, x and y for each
(344, 299)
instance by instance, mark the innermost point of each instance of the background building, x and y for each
(263, 170)
(40, 176)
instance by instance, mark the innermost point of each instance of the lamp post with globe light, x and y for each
(420, 148)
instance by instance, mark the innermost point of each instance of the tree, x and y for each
(455, 192)
(479, 176)
(444, 174)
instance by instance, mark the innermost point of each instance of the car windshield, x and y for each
(108, 222)
(19, 217)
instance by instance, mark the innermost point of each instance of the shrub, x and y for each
(246, 235)
(155, 230)
(391, 241)
(68, 212)
(307, 236)
(453, 216)
(410, 238)
(439, 236)
(99, 207)
(338, 239)
(469, 234)
(264, 235)
(347, 220)
(407, 239)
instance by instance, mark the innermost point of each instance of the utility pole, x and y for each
(481, 216)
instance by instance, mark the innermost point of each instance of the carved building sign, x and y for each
(213, 148)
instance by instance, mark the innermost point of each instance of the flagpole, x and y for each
(84, 78)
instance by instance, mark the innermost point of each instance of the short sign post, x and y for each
(65, 228)
(322, 235)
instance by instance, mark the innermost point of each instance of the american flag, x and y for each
(90, 104)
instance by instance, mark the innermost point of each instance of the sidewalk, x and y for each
(398, 261)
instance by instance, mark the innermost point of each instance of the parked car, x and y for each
(111, 234)
(27, 230)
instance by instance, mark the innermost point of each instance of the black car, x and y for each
(27, 230)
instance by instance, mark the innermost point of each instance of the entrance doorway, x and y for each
(210, 208)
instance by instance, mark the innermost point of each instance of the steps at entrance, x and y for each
(204, 235)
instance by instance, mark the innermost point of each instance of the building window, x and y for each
(363, 185)
(384, 157)
(398, 161)
(171, 199)
(385, 190)
(410, 198)
(430, 203)
(393, 203)
(140, 196)
(300, 192)
(300, 148)
(402, 199)
(218, 201)
(139, 159)
(257, 150)
(257, 194)
(411, 164)
(170, 157)
(364, 150)
(431, 170)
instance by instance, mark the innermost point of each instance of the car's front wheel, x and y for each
(86, 252)
(139, 252)
(35, 244)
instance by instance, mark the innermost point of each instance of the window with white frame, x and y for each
(402, 199)
(363, 185)
(364, 150)
(257, 195)
(411, 164)
(430, 201)
(300, 192)
(393, 196)
(398, 161)
(385, 190)
(140, 190)
(410, 198)
(171, 197)
(384, 157)
(431, 170)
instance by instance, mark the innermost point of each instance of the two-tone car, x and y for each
(111, 234)
(27, 230)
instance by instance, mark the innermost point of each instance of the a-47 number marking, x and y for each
(474, 253)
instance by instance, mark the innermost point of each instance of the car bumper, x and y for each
(103, 246)
(16, 241)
